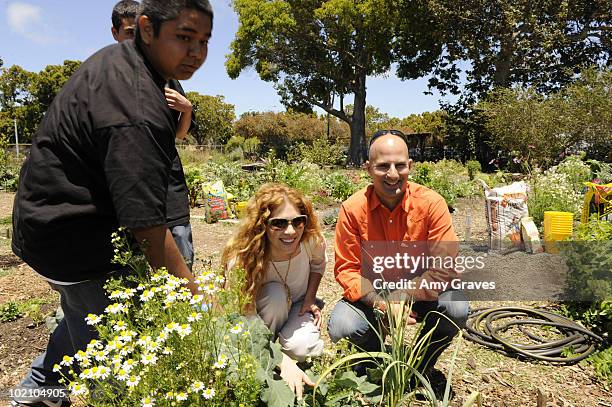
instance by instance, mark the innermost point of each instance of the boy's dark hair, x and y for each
(160, 11)
(124, 9)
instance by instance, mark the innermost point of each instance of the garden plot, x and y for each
(503, 381)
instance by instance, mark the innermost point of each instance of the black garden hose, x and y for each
(481, 329)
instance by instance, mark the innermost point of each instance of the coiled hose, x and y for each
(481, 329)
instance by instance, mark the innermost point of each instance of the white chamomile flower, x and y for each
(146, 295)
(102, 372)
(236, 329)
(93, 319)
(115, 308)
(80, 355)
(221, 362)
(148, 359)
(195, 316)
(77, 389)
(219, 279)
(196, 299)
(120, 325)
(115, 294)
(122, 375)
(56, 368)
(133, 381)
(197, 386)
(66, 360)
(209, 288)
(181, 396)
(172, 326)
(208, 393)
(129, 364)
(184, 330)
(148, 401)
(167, 351)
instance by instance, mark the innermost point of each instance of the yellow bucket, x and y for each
(241, 208)
(557, 227)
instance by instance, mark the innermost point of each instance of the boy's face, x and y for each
(181, 46)
(126, 31)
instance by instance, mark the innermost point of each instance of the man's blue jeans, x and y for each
(350, 320)
(72, 333)
(184, 241)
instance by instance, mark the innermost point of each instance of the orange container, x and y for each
(557, 226)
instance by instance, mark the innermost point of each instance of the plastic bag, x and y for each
(216, 205)
(505, 207)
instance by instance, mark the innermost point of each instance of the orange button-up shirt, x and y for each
(422, 216)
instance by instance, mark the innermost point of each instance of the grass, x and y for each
(7, 220)
(4, 273)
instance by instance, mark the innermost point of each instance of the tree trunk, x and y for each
(357, 151)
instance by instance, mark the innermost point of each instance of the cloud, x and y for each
(27, 20)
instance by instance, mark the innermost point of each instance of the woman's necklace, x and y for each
(284, 281)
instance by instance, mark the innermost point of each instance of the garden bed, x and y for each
(502, 381)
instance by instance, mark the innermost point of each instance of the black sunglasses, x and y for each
(392, 131)
(283, 223)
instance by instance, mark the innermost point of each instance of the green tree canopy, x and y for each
(26, 96)
(316, 52)
(578, 117)
(214, 118)
(281, 131)
(491, 44)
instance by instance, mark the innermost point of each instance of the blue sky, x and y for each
(36, 33)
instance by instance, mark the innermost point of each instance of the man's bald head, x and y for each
(387, 142)
(389, 166)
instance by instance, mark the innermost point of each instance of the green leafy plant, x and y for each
(473, 168)
(9, 312)
(194, 180)
(394, 372)
(160, 345)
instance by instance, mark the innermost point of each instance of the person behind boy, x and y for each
(101, 159)
(123, 28)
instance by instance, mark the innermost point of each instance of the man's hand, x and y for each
(309, 306)
(294, 376)
(177, 102)
(397, 309)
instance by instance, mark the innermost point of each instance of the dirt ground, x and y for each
(502, 381)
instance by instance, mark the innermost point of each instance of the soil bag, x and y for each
(216, 204)
(505, 207)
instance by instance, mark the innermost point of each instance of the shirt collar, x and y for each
(157, 78)
(375, 201)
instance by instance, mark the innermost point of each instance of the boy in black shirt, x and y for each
(177, 204)
(101, 159)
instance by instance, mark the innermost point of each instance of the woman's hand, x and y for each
(294, 376)
(310, 306)
(177, 102)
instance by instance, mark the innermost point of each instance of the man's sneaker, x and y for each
(44, 403)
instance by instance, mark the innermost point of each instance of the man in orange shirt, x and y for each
(390, 210)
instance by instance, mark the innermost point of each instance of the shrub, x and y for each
(473, 167)
(234, 142)
(589, 260)
(9, 312)
(321, 152)
(194, 180)
(447, 177)
(160, 344)
(340, 186)
(559, 188)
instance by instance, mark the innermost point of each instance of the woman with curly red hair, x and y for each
(280, 246)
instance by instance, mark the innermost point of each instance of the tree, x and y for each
(284, 130)
(214, 118)
(26, 96)
(578, 117)
(315, 51)
(501, 43)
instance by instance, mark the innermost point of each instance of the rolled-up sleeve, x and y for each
(347, 268)
(136, 166)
